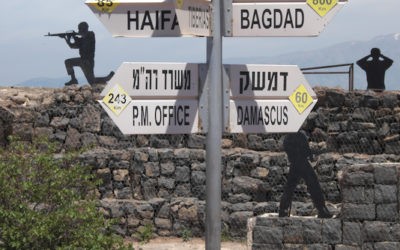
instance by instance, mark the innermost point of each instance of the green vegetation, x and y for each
(186, 234)
(225, 235)
(145, 233)
(47, 201)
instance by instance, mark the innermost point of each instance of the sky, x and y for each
(25, 52)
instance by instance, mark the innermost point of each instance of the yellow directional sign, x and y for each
(179, 4)
(301, 99)
(117, 99)
(106, 6)
(322, 7)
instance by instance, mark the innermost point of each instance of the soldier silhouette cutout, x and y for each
(85, 41)
(299, 153)
(375, 66)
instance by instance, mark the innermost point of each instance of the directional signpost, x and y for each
(282, 18)
(156, 117)
(156, 80)
(162, 98)
(153, 98)
(194, 17)
(137, 18)
(155, 18)
(260, 80)
(266, 116)
(268, 98)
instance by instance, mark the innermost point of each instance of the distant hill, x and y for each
(44, 82)
(347, 52)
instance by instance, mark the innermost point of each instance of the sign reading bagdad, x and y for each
(153, 98)
(282, 18)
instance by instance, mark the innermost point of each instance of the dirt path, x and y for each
(179, 244)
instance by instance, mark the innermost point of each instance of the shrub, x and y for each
(47, 201)
(186, 234)
(145, 233)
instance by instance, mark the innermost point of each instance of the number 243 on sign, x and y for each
(117, 100)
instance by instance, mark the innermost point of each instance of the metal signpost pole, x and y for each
(214, 135)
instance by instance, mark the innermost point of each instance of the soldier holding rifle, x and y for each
(85, 41)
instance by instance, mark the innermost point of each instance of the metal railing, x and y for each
(350, 72)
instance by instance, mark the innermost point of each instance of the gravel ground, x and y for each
(178, 244)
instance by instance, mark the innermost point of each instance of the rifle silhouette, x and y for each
(64, 35)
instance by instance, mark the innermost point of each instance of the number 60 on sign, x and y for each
(301, 99)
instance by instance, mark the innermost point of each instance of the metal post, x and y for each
(351, 77)
(214, 135)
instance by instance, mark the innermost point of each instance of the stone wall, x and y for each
(160, 179)
(6, 121)
(369, 217)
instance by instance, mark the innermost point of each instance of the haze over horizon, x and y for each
(27, 54)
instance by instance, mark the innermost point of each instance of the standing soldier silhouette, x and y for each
(299, 153)
(375, 66)
(84, 41)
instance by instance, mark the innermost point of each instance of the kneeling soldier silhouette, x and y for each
(85, 41)
(299, 153)
(86, 44)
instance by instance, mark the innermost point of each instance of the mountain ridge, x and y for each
(340, 53)
(343, 53)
